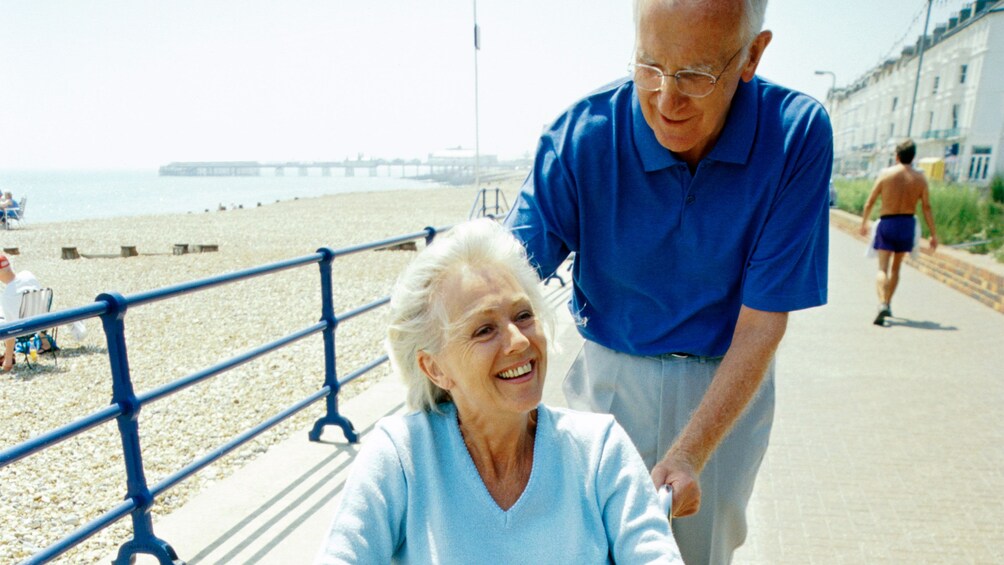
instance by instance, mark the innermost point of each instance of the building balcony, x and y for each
(951, 133)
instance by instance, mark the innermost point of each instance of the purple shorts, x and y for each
(895, 233)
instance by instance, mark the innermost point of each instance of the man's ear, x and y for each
(433, 371)
(756, 52)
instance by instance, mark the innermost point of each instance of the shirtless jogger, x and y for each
(899, 187)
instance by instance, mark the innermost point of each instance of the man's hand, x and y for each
(680, 474)
(934, 242)
(863, 230)
(736, 381)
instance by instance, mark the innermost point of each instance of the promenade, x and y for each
(887, 445)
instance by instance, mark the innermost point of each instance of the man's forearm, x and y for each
(866, 214)
(736, 382)
(929, 218)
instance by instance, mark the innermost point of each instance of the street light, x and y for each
(833, 80)
(833, 86)
(477, 134)
(920, 64)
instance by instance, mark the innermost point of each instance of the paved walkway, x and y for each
(888, 444)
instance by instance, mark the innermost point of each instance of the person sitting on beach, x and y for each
(16, 285)
(482, 470)
(9, 206)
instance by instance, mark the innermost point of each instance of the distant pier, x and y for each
(444, 168)
(372, 167)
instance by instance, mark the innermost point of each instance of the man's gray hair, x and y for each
(418, 318)
(753, 16)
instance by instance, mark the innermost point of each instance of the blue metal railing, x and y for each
(126, 403)
(483, 209)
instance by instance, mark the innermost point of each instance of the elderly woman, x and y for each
(482, 471)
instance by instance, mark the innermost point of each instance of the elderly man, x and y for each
(16, 285)
(694, 196)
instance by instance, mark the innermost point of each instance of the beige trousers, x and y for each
(652, 399)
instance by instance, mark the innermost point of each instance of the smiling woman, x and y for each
(481, 455)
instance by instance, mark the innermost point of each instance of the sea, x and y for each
(63, 195)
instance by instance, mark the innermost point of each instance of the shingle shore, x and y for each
(48, 495)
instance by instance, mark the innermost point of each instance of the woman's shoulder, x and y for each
(583, 438)
(416, 427)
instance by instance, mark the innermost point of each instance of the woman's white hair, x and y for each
(752, 23)
(418, 320)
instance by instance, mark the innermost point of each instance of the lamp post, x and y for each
(477, 136)
(920, 63)
(833, 86)
(833, 81)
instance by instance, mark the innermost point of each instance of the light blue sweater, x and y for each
(415, 496)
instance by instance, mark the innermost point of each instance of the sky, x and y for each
(135, 84)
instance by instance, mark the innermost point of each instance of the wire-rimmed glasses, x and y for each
(695, 84)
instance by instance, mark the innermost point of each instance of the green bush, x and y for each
(852, 194)
(958, 214)
(997, 189)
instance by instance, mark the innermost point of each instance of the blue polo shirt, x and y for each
(665, 258)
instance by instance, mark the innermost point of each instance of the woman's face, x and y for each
(495, 356)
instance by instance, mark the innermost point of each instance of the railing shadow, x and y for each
(319, 478)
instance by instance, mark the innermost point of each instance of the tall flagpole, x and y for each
(477, 135)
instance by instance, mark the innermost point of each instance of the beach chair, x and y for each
(15, 214)
(36, 303)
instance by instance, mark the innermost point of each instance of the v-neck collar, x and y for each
(477, 482)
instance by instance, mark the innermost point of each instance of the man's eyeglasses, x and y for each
(695, 84)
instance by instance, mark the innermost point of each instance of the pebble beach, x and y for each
(48, 495)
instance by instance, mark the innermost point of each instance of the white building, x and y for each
(959, 112)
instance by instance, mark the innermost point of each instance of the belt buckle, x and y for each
(680, 355)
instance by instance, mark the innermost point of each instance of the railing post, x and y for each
(144, 540)
(479, 199)
(330, 374)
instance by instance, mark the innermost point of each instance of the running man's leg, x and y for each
(882, 278)
(893, 282)
(882, 285)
